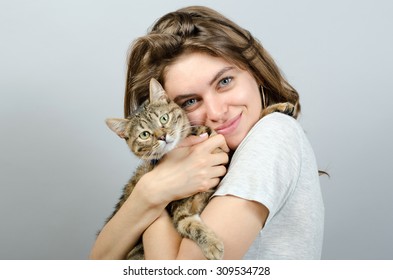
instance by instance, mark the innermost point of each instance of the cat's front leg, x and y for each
(193, 228)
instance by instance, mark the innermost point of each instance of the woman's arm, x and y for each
(122, 232)
(235, 220)
(153, 245)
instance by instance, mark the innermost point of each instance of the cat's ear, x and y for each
(118, 126)
(157, 92)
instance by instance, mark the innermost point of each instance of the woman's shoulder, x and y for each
(274, 138)
(278, 121)
(275, 127)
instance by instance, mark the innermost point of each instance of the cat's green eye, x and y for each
(164, 119)
(144, 135)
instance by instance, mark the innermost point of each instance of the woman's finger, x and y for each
(213, 143)
(193, 140)
(219, 159)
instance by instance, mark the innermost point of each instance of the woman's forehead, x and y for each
(193, 71)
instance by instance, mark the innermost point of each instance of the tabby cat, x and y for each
(151, 132)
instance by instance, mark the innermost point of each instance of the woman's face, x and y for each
(215, 93)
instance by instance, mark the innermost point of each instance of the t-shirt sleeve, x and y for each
(266, 165)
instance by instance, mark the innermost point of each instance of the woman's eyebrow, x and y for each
(182, 97)
(220, 73)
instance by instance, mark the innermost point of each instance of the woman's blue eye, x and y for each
(225, 81)
(189, 102)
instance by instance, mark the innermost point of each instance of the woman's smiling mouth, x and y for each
(229, 126)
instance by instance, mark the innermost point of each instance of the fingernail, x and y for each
(203, 135)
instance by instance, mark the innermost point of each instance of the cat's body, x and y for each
(151, 132)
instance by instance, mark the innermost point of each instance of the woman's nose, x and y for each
(215, 109)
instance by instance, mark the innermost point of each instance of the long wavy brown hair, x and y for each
(200, 29)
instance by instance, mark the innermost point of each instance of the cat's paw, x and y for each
(137, 253)
(286, 108)
(214, 250)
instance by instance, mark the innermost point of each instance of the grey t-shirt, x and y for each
(275, 166)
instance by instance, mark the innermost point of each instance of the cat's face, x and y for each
(156, 128)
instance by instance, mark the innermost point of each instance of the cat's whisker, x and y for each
(189, 126)
(197, 122)
(185, 129)
(139, 161)
(148, 154)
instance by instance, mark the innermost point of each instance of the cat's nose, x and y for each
(161, 136)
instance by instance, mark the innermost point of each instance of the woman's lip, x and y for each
(229, 126)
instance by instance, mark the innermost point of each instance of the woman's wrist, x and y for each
(152, 190)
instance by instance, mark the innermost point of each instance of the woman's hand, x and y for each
(194, 166)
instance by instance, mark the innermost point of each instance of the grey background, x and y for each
(62, 72)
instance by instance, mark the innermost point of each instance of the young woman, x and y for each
(269, 204)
